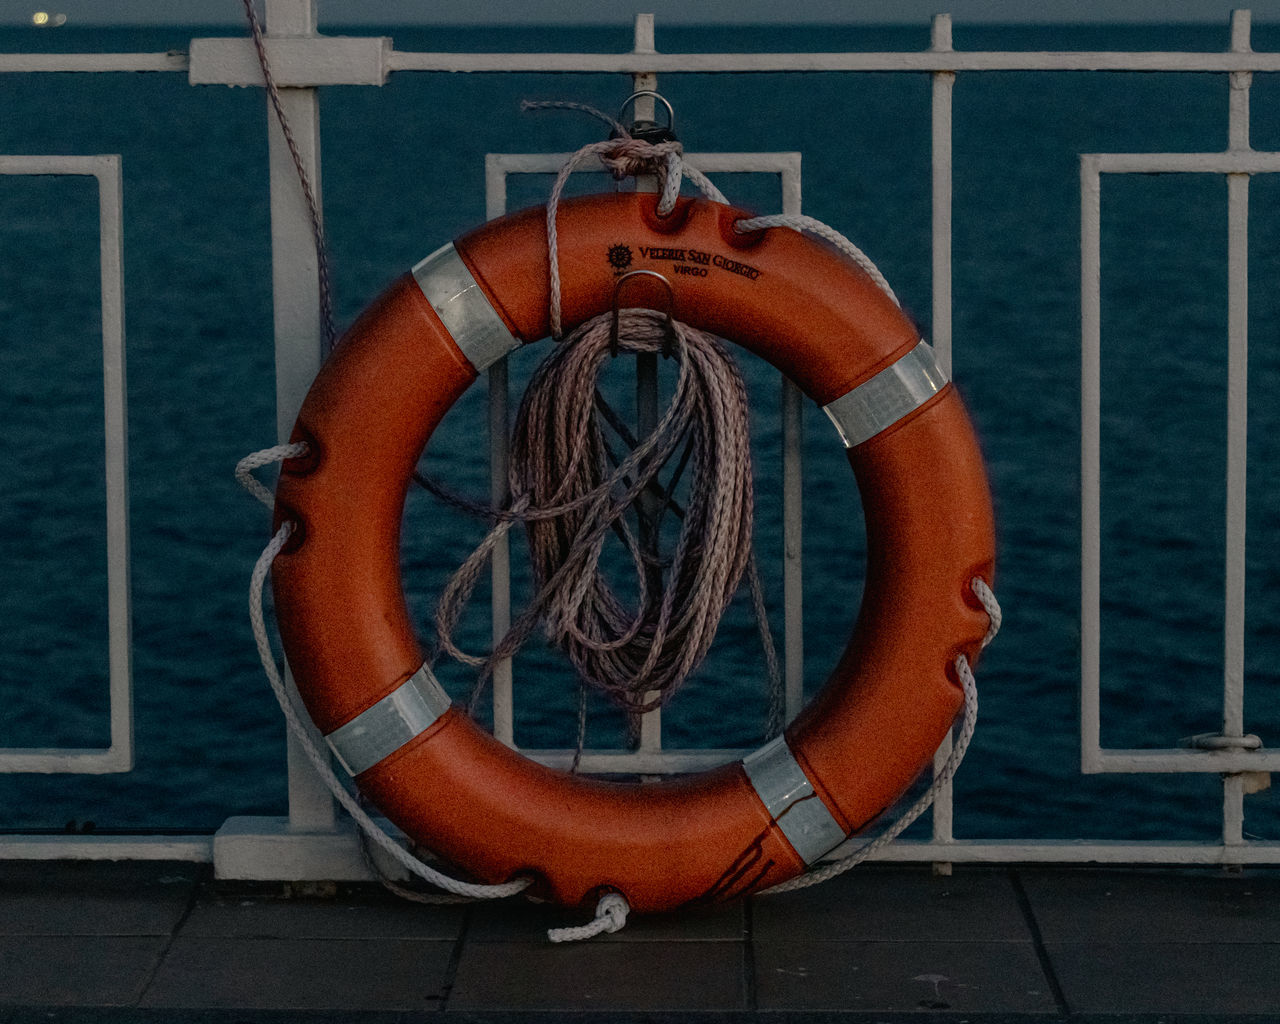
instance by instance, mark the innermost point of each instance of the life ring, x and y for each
(712, 836)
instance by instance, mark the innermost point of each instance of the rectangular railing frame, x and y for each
(649, 758)
(117, 756)
(311, 842)
(1237, 166)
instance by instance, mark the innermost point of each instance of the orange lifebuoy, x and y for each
(452, 787)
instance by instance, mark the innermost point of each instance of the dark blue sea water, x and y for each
(402, 172)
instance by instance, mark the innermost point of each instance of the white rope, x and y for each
(611, 916)
(799, 222)
(941, 777)
(318, 758)
(990, 604)
(626, 156)
(265, 457)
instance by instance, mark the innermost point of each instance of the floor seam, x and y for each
(455, 958)
(192, 900)
(1037, 943)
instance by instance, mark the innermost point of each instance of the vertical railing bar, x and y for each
(1237, 429)
(792, 507)
(647, 363)
(943, 88)
(1090, 460)
(116, 455)
(500, 558)
(295, 287)
(943, 85)
(495, 197)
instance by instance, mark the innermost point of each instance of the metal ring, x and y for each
(671, 113)
(668, 344)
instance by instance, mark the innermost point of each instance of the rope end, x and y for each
(611, 916)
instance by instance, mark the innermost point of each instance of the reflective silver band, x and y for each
(463, 308)
(381, 730)
(880, 402)
(789, 798)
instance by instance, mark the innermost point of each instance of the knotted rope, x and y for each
(611, 916)
(624, 156)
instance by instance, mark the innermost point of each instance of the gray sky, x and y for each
(401, 12)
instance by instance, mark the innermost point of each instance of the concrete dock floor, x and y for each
(103, 942)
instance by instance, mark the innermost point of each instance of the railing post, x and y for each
(940, 119)
(1237, 428)
(499, 404)
(295, 286)
(650, 724)
(792, 399)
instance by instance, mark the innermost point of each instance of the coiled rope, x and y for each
(571, 491)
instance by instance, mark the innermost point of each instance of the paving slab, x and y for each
(1161, 977)
(875, 904)
(84, 970)
(345, 918)
(301, 974)
(145, 1015)
(1188, 905)
(140, 943)
(86, 898)
(897, 977)
(650, 976)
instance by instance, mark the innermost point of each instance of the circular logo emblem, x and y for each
(620, 256)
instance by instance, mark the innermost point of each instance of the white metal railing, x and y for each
(311, 842)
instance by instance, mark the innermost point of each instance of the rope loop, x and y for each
(266, 457)
(990, 605)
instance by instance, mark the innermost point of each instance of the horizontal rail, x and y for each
(174, 60)
(194, 848)
(1230, 162)
(199, 849)
(1067, 851)
(231, 61)
(304, 61)
(638, 762)
(925, 60)
(1180, 760)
